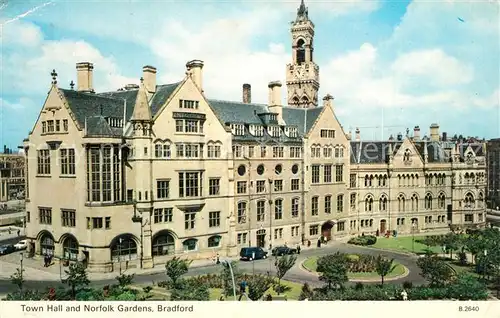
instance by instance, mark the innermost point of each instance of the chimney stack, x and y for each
(358, 134)
(84, 77)
(275, 100)
(445, 136)
(328, 101)
(247, 93)
(195, 68)
(149, 77)
(434, 132)
(416, 133)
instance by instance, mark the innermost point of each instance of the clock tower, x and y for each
(302, 75)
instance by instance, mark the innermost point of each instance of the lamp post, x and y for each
(21, 264)
(232, 277)
(485, 253)
(120, 240)
(413, 225)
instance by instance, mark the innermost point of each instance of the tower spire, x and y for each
(302, 12)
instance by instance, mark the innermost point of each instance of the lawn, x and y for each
(292, 294)
(159, 293)
(405, 244)
(311, 265)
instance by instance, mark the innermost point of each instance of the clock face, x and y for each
(299, 72)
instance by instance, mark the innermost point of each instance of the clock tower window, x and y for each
(301, 51)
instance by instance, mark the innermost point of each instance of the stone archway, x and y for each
(47, 243)
(326, 230)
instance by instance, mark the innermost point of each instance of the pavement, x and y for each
(38, 277)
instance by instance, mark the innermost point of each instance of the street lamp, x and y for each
(21, 263)
(120, 254)
(485, 252)
(413, 225)
(232, 276)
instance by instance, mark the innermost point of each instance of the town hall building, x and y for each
(136, 176)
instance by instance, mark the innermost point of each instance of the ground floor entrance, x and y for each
(261, 238)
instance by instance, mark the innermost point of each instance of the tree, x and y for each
(467, 287)
(283, 264)
(18, 279)
(306, 292)
(124, 280)
(384, 267)
(452, 242)
(77, 277)
(333, 269)
(190, 291)
(227, 278)
(435, 270)
(175, 268)
(258, 285)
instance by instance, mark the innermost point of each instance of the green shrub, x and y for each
(363, 240)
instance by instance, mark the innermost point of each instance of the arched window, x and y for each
(401, 203)
(428, 201)
(469, 201)
(367, 180)
(47, 244)
(371, 180)
(382, 203)
(70, 248)
(406, 156)
(163, 244)
(190, 245)
(441, 201)
(214, 241)
(481, 200)
(384, 183)
(242, 212)
(123, 248)
(369, 204)
(301, 51)
(414, 202)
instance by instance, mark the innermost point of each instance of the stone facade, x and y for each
(493, 163)
(132, 177)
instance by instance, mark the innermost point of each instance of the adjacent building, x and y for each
(135, 176)
(493, 167)
(12, 179)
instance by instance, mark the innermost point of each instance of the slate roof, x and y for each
(376, 152)
(93, 110)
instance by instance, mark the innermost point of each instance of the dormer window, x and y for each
(115, 122)
(238, 129)
(189, 104)
(274, 131)
(256, 130)
(292, 132)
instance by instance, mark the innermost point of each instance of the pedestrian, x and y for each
(298, 249)
(218, 258)
(319, 242)
(44, 260)
(404, 295)
(18, 232)
(243, 288)
(10, 230)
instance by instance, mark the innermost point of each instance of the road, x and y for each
(296, 274)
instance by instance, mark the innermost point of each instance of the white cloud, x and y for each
(20, 33)
(22, 103)
(433, 65)
(224, 46)
(32, 70)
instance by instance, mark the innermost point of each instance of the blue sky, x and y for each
(390, 64)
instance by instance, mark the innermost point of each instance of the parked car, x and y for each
(7, 249)
(252, 253)
(283, 250)
(21, 245)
